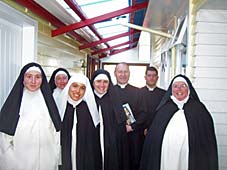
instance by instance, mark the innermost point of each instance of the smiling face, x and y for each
(122, 73)
(151, 78)
(180, 90)
(61, 80)
(101, 86)
(76, 91)
(32, 80)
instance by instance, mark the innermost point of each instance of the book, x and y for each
(128, 112)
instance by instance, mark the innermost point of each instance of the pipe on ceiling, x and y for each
(160, 33)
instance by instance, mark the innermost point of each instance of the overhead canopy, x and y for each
(93, 23)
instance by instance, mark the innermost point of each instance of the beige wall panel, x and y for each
(223, 150)
(220, 118)
(211, 50)
(212, 16)
(210, 61)
(212, 94)
(60, 51)
(216, 106)
(210, 83)
(211, 72)
(217, 39)
(221, 130)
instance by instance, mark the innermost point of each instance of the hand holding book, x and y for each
(129, 114)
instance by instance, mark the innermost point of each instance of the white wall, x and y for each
(13, 30)
(53, 53)
(210, 71)
(129, 56)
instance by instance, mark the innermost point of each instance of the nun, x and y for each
(30, 124)
(113, 135)
(80, 120)
(58, 81)
(182, 135)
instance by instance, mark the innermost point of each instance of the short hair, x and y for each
(151, 68)
(123, 63)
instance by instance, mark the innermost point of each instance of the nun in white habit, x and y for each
(182, 135)
(79, 136)
(177, 126)
(30, 124)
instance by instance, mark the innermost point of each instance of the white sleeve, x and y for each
(6, 141)
(6, 152)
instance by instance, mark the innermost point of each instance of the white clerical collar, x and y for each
(150, 88)
(73, 102)
(180, 104)
(98, 94)
(122, 85)
(57, 90)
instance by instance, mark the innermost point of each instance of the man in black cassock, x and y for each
(130, 96)
(153, 94)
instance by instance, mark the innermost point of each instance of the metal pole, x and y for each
(147, 30)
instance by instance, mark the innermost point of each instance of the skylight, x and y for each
(94, 8)
(110, 27)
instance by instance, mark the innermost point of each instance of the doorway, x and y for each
(137, 73)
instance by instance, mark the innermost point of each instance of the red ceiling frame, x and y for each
(100, 18)
(92, 44)
(119, 51)
(114, 46)
(76, 8)
(40, 11)
(113, 52)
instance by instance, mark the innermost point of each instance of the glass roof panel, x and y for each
(94, 8)
(109, 27)
(91, 33)
(68, 9)
(113, 26)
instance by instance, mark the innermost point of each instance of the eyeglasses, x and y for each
(180, 86)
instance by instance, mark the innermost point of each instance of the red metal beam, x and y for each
(115, 46)
(37, 9)
(98, 19)
(116, 52)
(76, 8)
(89, 45)
(40, 11)
(121, 50)
(103, 56)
